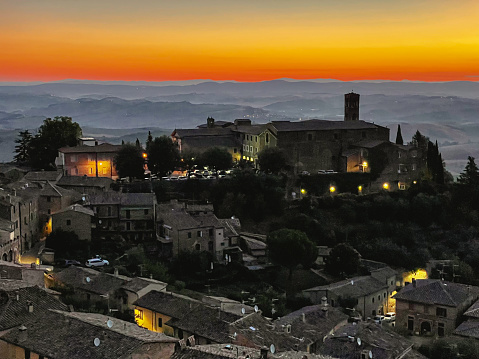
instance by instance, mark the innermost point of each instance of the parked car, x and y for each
(378, 319)
(97, 262)
(390, 317)
(321, 172)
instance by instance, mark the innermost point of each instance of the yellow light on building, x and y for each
(303, 191)
(332, 189)
(414, 182)
(145, 155)
(386, 185)
(365, 164)
(360, 189)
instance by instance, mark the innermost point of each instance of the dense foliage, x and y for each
(163, 155)
(129, 161)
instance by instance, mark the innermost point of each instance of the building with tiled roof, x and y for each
(432, 306)
(181, 229)
(368, 340)
(130, 215)
(43, 176)
(155, 309)
(85, 184)
(369, 295)
(59, 334)
(91, 161)
(75, 218)
(20, 302)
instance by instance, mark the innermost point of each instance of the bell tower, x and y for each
(351, 107)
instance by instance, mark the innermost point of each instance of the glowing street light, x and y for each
(332, 189)
(303, 191)
(360, 189)
(386, 185)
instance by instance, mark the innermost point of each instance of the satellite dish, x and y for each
(88, 280)
(109, 323)
(256, 308)
(243, 311)
(370, 354)
(99, 221)
(83, 198)
(96, 342)
(272, 348)
(358, 340)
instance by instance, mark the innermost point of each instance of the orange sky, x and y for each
(156, 40)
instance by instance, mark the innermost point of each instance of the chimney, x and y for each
(325, 312)
(303, 317)
(23, 334)
(17, 296)
(30, 307)
(115, 272)
(414, 282)
(324, 302)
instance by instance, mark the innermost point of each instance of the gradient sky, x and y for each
(157, 40)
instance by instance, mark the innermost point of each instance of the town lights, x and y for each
(360, 189)
(303, 191)
(332, 189)
(386, 185)
(145, 155)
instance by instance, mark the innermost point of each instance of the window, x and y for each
(160, 322)
(441, 312)
(235, 150)
(199, 234)
(91, 170)
(210, 245)
(27, 354)
(267, 138)
(31, 216)
(310, 136)
(384, 295)
(363, 134)
(128, 226)
(256, 138)
(109, 211)
(128, 214)
(336, 136)
(251, 149)
(138, 313)
(189, 234)
(440, 329)
(410, 323)
(49, 199)
(49, 211)
(373, 299)
(198, 247)
(69, 222)
(16, 224)
(146, 212)
(25, 220)
(379, 297)
(211, 232)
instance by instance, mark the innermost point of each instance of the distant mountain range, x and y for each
(445, 111)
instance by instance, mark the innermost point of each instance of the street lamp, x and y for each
(332, 189)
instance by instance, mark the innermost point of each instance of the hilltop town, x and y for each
(289, 239)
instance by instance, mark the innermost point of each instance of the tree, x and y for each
(22, 148)
(129, 161)
(272, 160)
(470, 175)
(163, 155)
(65, 243)
(52, 135)
(217, 158)
(399, 140)
(343, 259)
(289, 247)
(149, 140)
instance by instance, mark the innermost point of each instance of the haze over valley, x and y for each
(114, 111)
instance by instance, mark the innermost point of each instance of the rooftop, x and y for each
(435, 291)
(103, 148)
(72, 335)
(321, 125)
(170, 304)
(354, 287)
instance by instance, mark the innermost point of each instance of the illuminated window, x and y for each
(199, 234)
(138, 314)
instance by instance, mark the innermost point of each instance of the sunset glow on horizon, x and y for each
(147, 40)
